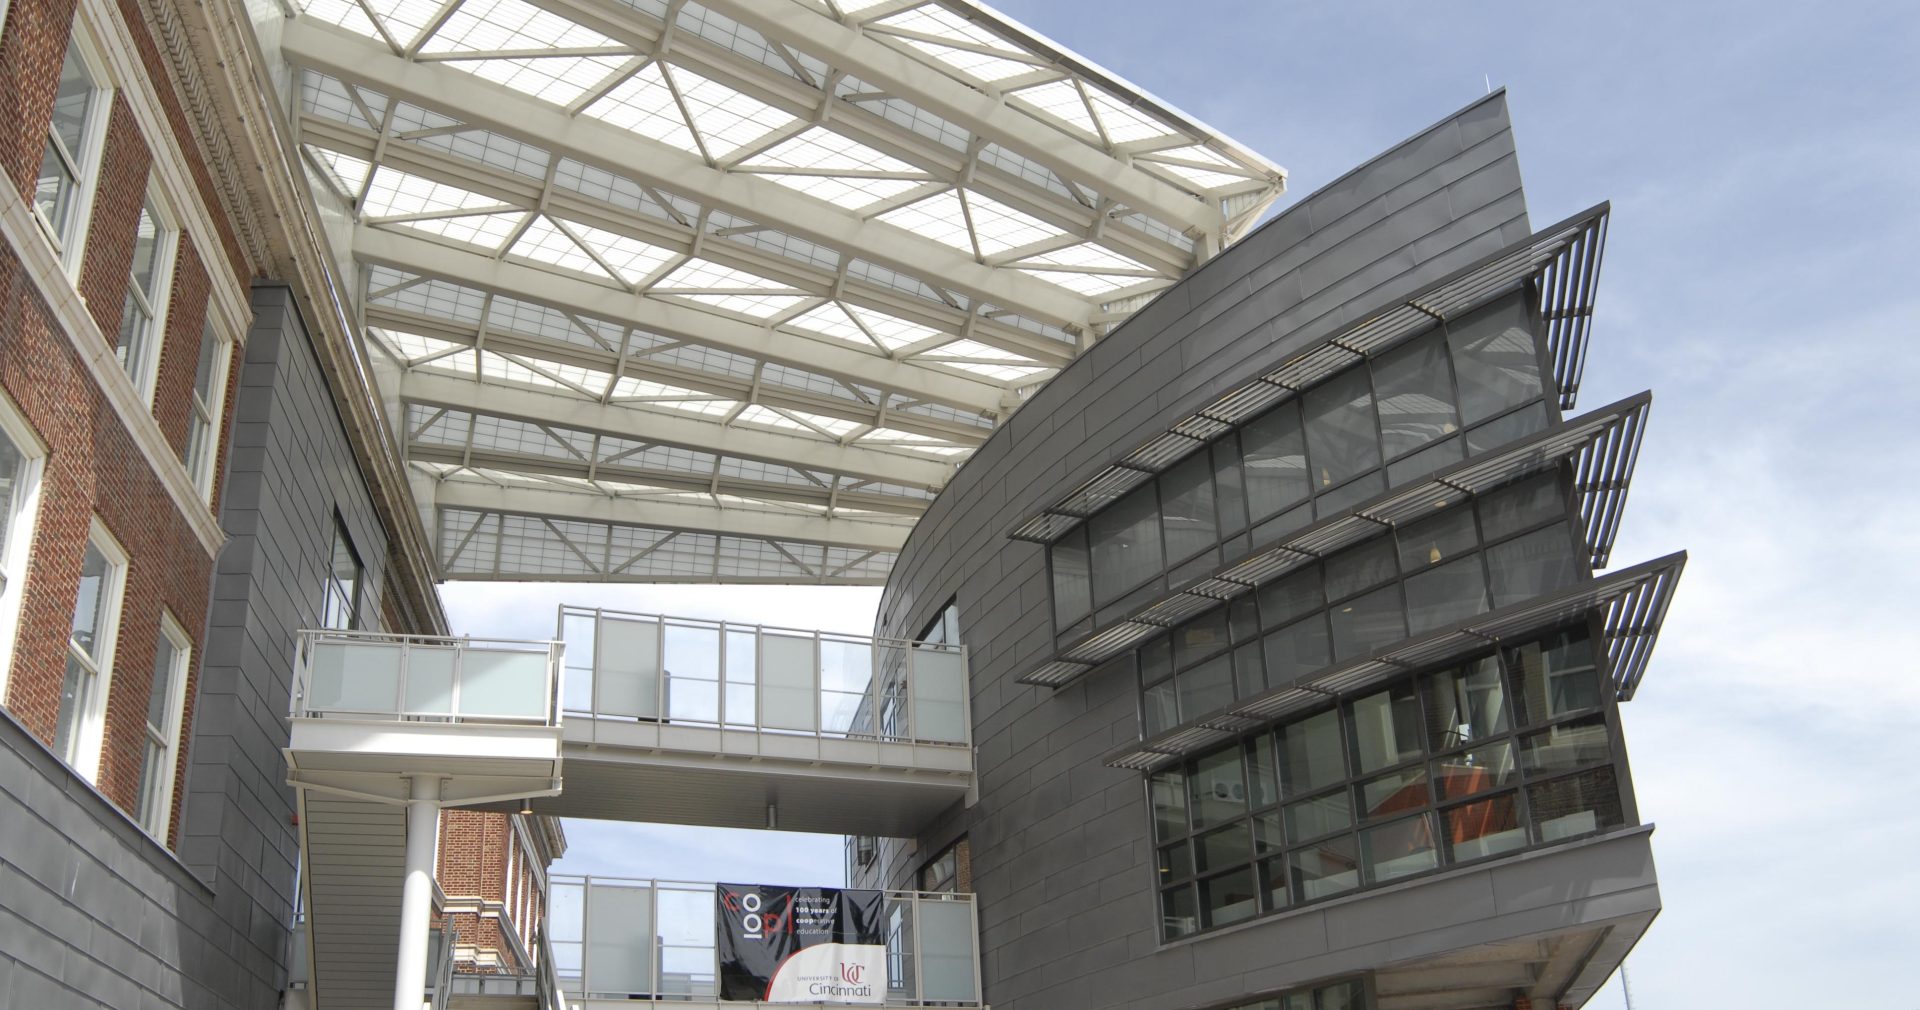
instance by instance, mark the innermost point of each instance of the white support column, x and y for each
(416, 893)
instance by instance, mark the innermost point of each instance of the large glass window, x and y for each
(1125, 543)
(166, 697)
(1425, 575)
(1439, 769)
(1186, 508)
(21, 457)
(1419, 407)
(67, 165)
(78, 729)
(1275, 450)
(1415, 385)
(1343, 440)
(203, 426)
(341, 608)
(1496, 359)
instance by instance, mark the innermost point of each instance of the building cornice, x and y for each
(218, 40)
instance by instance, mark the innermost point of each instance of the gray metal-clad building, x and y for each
(1189, 794)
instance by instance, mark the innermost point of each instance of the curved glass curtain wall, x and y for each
(1504, 752)
(1457, 389)
(1509, 545)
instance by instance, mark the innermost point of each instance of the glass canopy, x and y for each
(743, 271)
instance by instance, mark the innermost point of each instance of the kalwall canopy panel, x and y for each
(733, 270)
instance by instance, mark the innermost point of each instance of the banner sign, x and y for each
(800, 944)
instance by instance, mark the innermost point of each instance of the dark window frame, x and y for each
(1517, 788)
(335, 598)
(1265, 626)
(1235, 539)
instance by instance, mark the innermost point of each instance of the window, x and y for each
(947, 873)
(1125, 539)
(944, 629)
(21, 458)
(861, 851)
(341, 608)
(1511, 544)
(166, 700)
(1348, 995)
(1394, 419)
(137, 345)
(64, 188)
(79, 731)
(203, 426)
(1496, 357)
(1501, 752)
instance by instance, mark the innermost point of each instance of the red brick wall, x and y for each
(474, 847)
(157, 71)
(35, 42)
(180, 353)
(93, 468)
(30, 53)
(117, 199)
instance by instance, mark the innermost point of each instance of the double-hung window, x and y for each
(203, 425)
(96, 618)
(166, 700)
(137, 345)
(69, 162)
(21, 456)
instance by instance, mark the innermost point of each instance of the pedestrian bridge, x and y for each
(630, 717)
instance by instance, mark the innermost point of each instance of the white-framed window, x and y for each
(143, 314)
(209, 395)
(166, 703)
(80, 731)
(22, 458)
(69, 165)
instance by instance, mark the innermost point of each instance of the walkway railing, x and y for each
(632, 939)
(374, 675)
(688, 671)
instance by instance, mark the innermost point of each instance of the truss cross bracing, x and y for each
(724, 291)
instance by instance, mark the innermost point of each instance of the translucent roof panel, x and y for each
(786, 239)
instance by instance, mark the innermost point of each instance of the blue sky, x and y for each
(1761, 279)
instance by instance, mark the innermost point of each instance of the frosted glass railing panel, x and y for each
(946, 951)
(742, 677)
(694, 672)
(626, 668)
(507, 684)
(939, 684)
(355, 677)
(371, 674)
(430, 676)
(619, 935)
(617, 938)
(787, 681)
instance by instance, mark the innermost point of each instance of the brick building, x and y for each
(1262, 654)
(179, 493)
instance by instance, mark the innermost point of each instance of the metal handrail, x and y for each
(547, 988)
(906, 960)
(455, 648)
(443, 979)
(888, 706)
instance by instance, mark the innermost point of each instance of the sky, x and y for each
(1760, 278)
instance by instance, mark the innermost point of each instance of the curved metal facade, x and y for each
(1062, 844)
